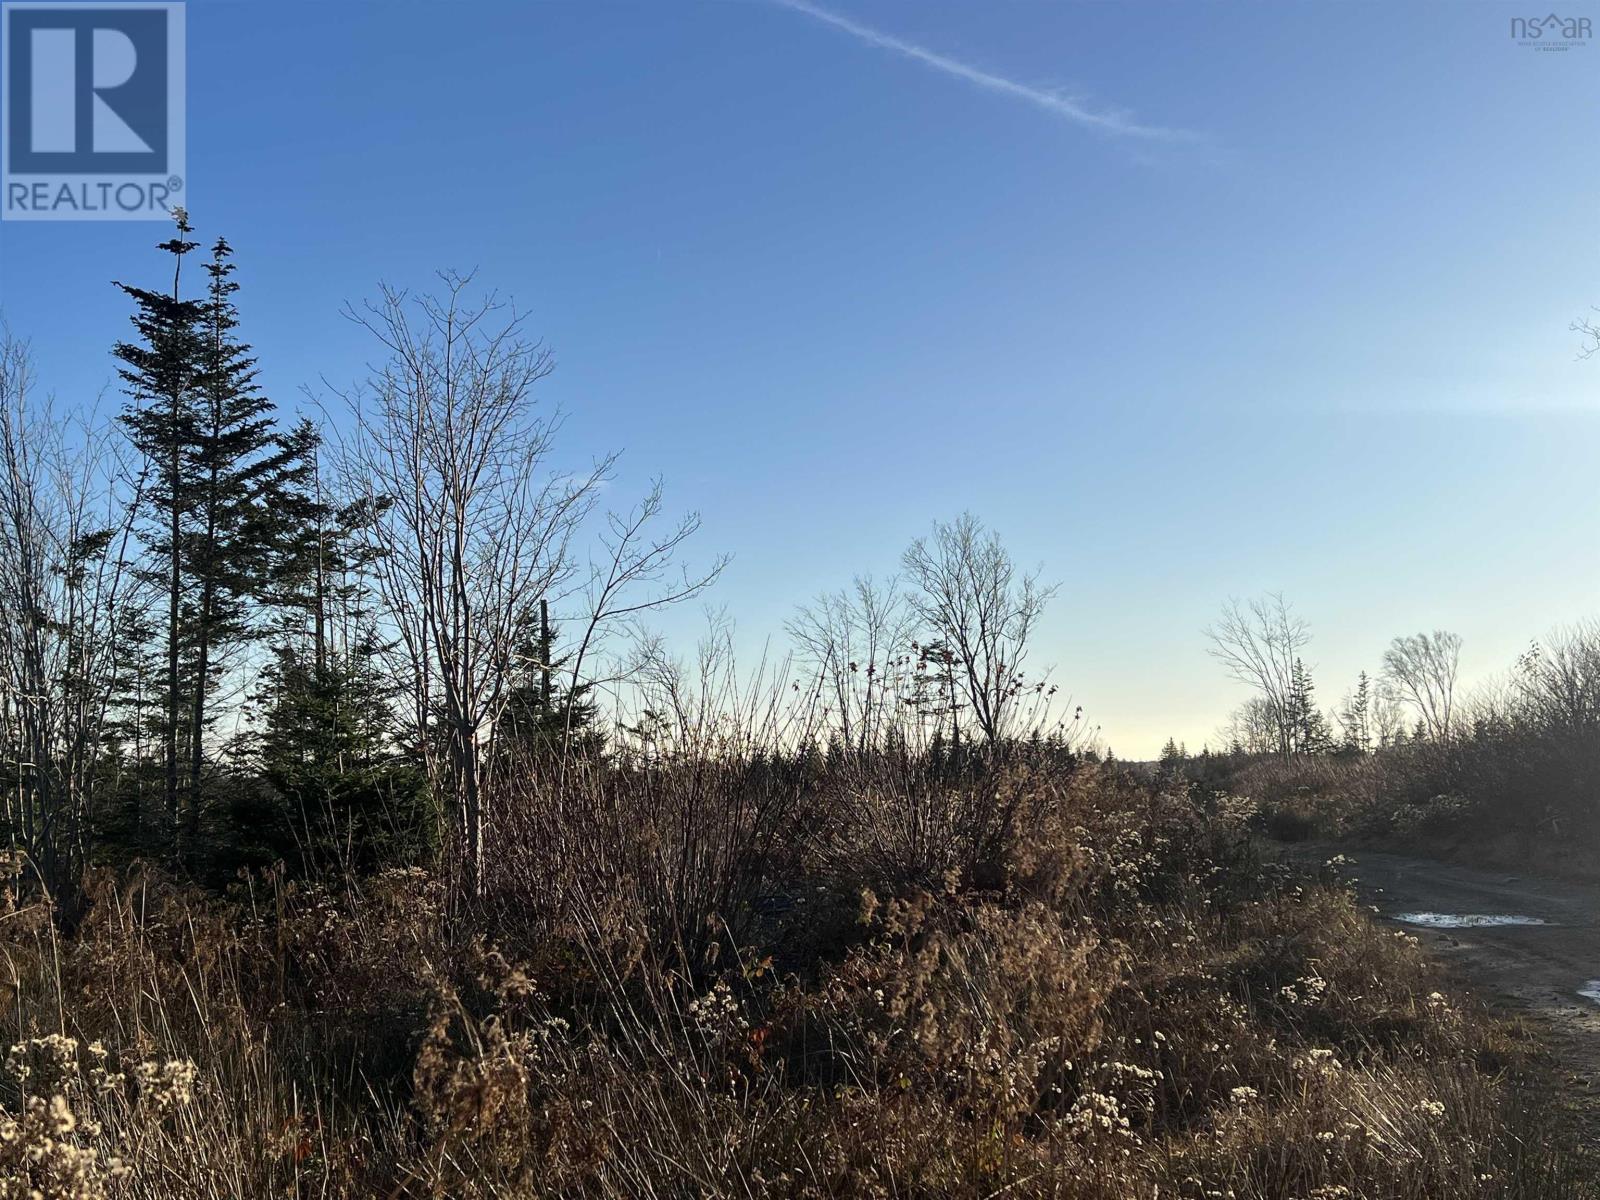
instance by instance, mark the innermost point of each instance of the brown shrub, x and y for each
(1095, 991)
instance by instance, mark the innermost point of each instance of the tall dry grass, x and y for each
(717, 976)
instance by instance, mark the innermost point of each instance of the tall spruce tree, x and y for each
(217, 468)
(161, 374)
(1173, 755)
(244, 469)
(1356, 717)
(1308, 728)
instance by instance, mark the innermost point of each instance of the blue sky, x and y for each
(836, 278)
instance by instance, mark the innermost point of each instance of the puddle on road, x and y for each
(1435, 920)
(1591, 990)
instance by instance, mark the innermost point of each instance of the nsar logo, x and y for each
(1551, 32)
(92, 112)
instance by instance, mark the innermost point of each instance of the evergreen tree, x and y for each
(245, 472)
(1307, 727)
(134, 730)
(161, 374)
(217, 471)
(1356, 717)
(318, 585)
(333, 788)
(335, 794)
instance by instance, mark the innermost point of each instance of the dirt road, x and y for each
(1538, 971)
(1540, 968)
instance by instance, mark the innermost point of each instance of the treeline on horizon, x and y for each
(1407, 756)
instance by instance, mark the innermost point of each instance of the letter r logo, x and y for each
(113, 60)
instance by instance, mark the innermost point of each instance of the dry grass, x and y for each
(780, 979)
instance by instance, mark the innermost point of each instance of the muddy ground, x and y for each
(1534, 972)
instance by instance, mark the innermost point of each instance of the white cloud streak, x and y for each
(1114, 123)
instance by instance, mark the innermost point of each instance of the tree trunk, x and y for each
(544, 657)
(469, 803)
(174, 584)
(197, 715)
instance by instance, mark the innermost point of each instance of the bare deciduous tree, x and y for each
(1388, 718)
(633, 574)
(1558, 681)
(858, 645)
(472, 523)
(1589, 330)
(969, 593)
(62, 534)
(1420, 670)
(1252, 728)
(473, 526)
(1259, 644)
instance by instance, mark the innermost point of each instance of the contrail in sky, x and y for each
(1104, 122)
